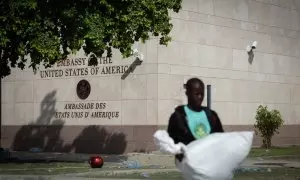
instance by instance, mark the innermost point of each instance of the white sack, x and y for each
(166, 144)
(213, 157)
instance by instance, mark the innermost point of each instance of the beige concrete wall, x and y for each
(209, 41)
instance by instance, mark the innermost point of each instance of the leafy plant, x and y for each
(46, 31)
(267, 124)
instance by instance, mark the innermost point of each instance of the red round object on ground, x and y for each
(96, 161)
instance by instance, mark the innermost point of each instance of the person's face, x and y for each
(195, 95)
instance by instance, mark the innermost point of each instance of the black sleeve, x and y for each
(174, 132)
(175, 129)
(218, 124)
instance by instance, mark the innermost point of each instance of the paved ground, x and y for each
(154, 159)
(13, 177)
(270, 173)
(155, 163)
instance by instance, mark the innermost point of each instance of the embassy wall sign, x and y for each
(74, 67)
(83, 109)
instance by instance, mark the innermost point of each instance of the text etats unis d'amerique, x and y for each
(86, 110)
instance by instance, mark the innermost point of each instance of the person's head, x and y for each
(194, 92)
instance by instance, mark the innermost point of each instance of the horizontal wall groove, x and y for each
(214, 77)
(226, 47)
(269, 34)
(277, 5)
(199, 12)
(227, 69)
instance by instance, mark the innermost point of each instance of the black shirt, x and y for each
(178, 127)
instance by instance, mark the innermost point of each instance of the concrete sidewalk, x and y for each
(248, 164)
(32, 177)
(143, 159)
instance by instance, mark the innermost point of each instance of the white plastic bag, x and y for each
(213, 157)
(166, 143)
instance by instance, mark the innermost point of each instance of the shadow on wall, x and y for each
(250, 57)
(94, 139)
(131, 68)
(45, 134)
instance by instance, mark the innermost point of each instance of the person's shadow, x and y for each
(41, 134)
(96, 139)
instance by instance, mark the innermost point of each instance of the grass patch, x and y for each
(275, 151)
(156, 176)
(43, 168)
(277, 173)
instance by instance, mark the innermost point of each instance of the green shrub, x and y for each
(267, 124)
